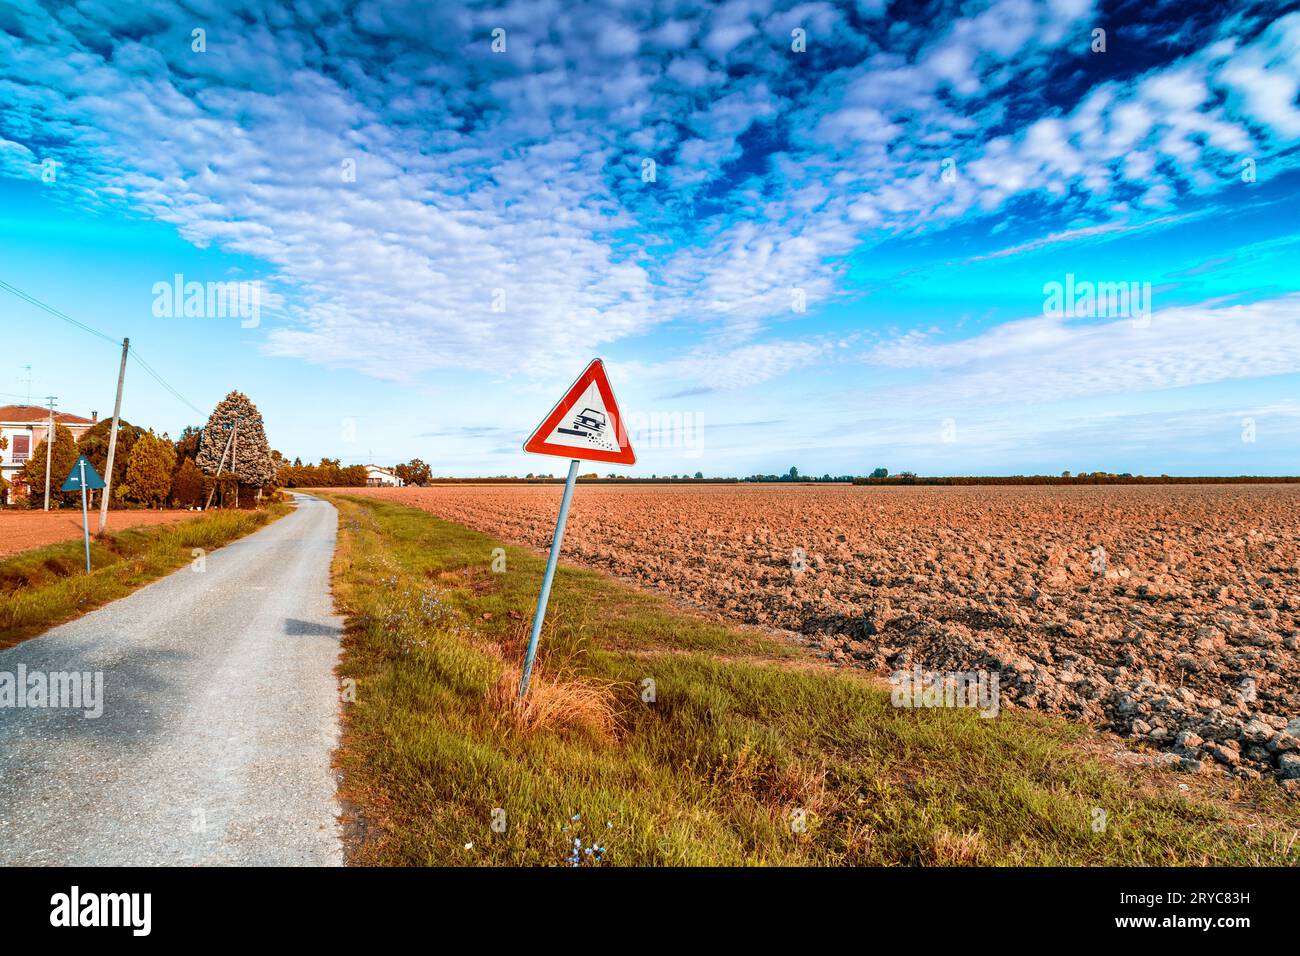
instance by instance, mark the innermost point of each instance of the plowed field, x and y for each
(1169, 613)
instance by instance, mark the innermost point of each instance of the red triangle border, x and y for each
(595, 372)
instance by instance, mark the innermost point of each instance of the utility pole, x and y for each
(112, 442)
(234, 453)
(49, 450)
(217, 476)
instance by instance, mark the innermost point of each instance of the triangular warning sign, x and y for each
(586, 423)
(73, 481)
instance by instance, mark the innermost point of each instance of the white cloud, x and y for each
(1266, 77)
(694, 72)
(743, 367)
(521, 173)
(1049, 359)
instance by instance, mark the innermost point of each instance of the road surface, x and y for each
(220, 714)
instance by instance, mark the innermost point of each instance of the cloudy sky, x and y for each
(799, 233)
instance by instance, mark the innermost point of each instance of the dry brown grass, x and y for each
(957, 849)
(553, 701)
(553, 704)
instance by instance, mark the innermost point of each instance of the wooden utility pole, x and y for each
(112, 441)
(49, 450)
(217, 476)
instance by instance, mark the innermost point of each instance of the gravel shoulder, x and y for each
(220, 717)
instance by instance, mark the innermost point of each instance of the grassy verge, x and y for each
(47, 586)
(749, 753)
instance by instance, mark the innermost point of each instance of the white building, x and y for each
(377, 477)
(25, 427)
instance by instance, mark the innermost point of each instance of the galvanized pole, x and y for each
(546, 580)
(85, 514)
(112, 441)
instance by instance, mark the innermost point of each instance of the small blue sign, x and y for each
(83, 469)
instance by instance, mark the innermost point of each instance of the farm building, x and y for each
(377, 477)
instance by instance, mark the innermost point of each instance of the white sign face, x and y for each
(586, 425)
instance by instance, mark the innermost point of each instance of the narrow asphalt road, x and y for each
(220, 714)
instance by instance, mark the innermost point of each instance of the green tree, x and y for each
(414, 472)
(187, 484)
(794, 473)
(62, 459)
(880, 473)
(249, 457)
(149, 469)
(187, 446)
(353, 476)
(94, 445)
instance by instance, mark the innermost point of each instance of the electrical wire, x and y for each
(54, 312)
(132, 352)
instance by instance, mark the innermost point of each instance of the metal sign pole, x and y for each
(546, 580)
(85, 514)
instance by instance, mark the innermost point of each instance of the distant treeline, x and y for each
(328, 474)
(1094, 479)
(589, 479)
(892, 480)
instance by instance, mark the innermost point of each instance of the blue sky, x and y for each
(839, 263)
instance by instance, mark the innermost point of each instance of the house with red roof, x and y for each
(26, 426)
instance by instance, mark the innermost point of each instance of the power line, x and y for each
(54, 312)
(95, 332)
(135, 354)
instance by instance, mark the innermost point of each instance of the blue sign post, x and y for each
(85, 477)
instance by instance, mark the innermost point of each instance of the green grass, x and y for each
(745, 735)
(47, 586)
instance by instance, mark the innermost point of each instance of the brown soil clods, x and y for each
(1170, 614)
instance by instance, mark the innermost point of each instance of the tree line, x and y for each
(1084, 478)
(331, 473)
(150, 470)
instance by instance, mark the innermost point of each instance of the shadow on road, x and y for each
(296, 628)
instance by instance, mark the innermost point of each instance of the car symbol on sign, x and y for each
(589, 419)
